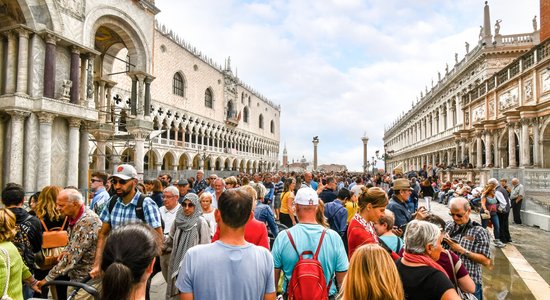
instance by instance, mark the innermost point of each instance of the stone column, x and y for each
(139, 155)
(479, 151)
(462, 150)
(83, 80)
(315, 145)
(457, 152)
(3, 144)
(49, 66)
(30, 153)
(11, 63)
(100, 154)
(496, 157)
(147, 100)
(488, 146)
(83, 158)
(133, 100)
(536, 143)
(449, 157)
(74, 76)
(23, 61)
(45, 150)
(140, 94)
(15, 167)
(511, 146)
(102, 106)
(74, 148)
(365, 140)
(524, 146)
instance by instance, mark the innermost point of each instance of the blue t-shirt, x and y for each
(332, 255)
(220, 271)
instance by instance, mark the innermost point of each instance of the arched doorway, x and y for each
(168, 161)
(150, 160)
(183, 162)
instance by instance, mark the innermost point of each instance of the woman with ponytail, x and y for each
(127, 262)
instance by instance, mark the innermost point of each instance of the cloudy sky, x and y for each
(339, 68)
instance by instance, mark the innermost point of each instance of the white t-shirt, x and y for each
(209, 217)
(168, 216)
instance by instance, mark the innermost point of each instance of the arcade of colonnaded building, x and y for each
(86, 85)
(488, 116)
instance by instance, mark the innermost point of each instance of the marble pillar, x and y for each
(2, 74)
(83, 80)
(102, 106)
(100, 154)
(511, 146)
(83, 158)
(74, 149)
(488, 146)
(365, 141)
(462, 150)
(449, 157)
(74, 76)
(49, 66)
(15, 168)
(23, 62)
(536, 143)
(496, 157)
(133, 99)
(139, 155)
(11, 63)
(525, 158)
(479, 151)
(457, 153)
(31, 153)
(147, 100)
(45, 150)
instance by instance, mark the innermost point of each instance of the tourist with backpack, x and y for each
(28, 236)
(126, 207)
(312, 258)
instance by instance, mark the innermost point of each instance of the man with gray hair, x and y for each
(78, 256)
(516, 197)
(469, 240)
(170, 208)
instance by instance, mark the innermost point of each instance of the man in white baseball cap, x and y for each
(129, 206)
(309, 235)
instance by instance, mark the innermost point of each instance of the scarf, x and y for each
(425, 260)
(186, 236)
(369, 227)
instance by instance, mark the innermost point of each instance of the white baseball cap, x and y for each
(125, 172)
(306, 196)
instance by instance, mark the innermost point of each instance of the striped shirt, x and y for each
(123, 214)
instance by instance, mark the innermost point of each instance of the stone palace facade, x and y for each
(86, 85)
(490, 114)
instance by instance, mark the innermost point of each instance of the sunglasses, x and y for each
(94, 180)
(188, 205)
(456, 215)
(119, 181)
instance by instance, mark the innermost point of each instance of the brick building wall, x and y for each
(544, 19)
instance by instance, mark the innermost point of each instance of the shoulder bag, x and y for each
(456, 267)
(53, 242)
(5, 294)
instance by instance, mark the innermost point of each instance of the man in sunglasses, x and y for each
(469, 240)
(125, 210)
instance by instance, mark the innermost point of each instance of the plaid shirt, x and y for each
(474, 239)
(124, 214)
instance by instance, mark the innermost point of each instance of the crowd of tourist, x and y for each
(259, 236)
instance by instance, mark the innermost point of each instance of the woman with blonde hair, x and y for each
(286, 213)
(372, 275)
(372, 204)
(320, 215)
(489, 206)
(12, 268)
(50, 218)
(231, 182)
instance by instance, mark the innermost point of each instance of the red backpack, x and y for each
(308, 279)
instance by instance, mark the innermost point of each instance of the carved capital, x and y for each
(22, 32)
(44, 117)
(525, 121)
(51, 39)
(18, 114)
(75, 50)
(74, 122)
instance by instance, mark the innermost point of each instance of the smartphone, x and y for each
(450, 239)
(402, 227)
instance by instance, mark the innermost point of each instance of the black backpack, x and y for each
(23, 244)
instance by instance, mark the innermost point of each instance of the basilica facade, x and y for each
(87, 85)
(489, 114)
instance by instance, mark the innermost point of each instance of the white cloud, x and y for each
(339, 68)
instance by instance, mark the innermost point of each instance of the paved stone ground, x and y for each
(503, 280)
